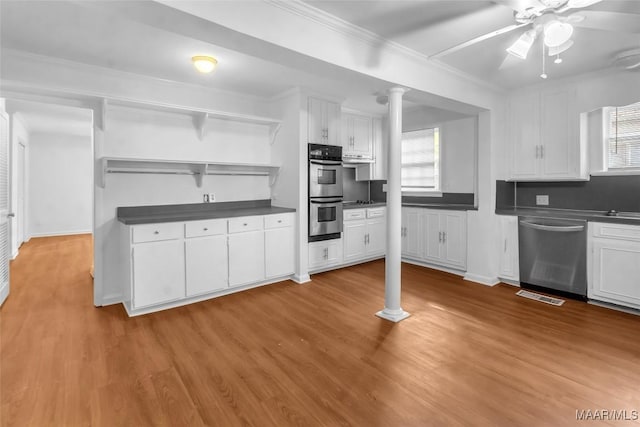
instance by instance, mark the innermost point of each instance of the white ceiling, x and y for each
(431, 26)
(151, 39)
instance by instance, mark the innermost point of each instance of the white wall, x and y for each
(60, 193)
(19, 134)
(458, 140)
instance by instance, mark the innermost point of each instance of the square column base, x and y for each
(393, 316)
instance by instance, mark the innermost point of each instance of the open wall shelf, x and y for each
(198, 169)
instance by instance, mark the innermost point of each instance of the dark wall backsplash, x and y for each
(447, 198)
(601, 193)
(352, 189)
(376, 192)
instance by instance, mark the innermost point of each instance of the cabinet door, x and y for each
(454, 238)
(332, 123)
(279, 252)
(509, 268)
(615, 272)
(559, 136)
(316, 134)
(354, 240)
(158, 272)
(524, 128)
(361, 136)
(206, 264)
(411, 242)
(432, 236)
(246, 258)
(376, 236)
(318, 255)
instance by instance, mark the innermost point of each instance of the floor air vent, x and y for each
(539, 297)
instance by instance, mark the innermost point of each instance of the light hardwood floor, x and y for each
(308, 355)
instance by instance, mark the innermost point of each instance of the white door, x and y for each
(559, 142)
(354, 240)
(433, 236)
(616, 269)
(411, 246)
(246, 258)
(4, 207)
(21, 211)
(376, 236)
(158, 272)
(524, 126)
(509, 248)
(206, 264)
(332, 123)
(361, 142)
(454, 238)
(315, 125)
(279, 252)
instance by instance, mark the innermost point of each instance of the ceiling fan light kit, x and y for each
(557, 33)
(522, 46)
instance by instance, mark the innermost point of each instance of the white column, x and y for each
(392, 310)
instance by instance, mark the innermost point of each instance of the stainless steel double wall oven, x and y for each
(325, 192)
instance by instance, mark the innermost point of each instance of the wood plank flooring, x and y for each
(307, 355)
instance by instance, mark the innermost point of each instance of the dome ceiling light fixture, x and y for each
(204, 63)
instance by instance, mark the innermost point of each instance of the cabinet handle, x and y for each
(245, 224)
(368, 240)
(156, 232)
(279, 221)
(440, 236)
(542, 151)
(505, 245)
(537, 151)
(444, 237)
(205, 229)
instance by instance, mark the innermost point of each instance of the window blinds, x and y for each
(624, 137)
(421, 160)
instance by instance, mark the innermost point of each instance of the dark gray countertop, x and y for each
(198, 211)
(450, 206)
(586, 215)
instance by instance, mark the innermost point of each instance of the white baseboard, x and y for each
(111, 299)
(510, 282)
(4, 293)
(300, 279)
(60, 233)
(15, 254)
(483, 280)
(434, 267)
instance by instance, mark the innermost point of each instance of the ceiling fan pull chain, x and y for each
(544, 73)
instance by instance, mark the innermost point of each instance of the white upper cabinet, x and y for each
(544, 136)
(323, 122)
(378, 169)
(357, 136)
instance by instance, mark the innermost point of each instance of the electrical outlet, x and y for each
(542, 200)
(212, 197)
(205, 198)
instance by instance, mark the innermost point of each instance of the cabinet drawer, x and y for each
(210, 227)
(245, 223)
(375, 212)
(353, 214)
(155, 232)
(615, 231)
(277, 221)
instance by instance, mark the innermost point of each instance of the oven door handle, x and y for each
(326, 162)
(558, 228)
(326, 202)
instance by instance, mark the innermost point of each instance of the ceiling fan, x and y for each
(549, 21)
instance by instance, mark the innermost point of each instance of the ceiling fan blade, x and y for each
(610, 21)
(519, 5)
(578, 4)
(476, 40)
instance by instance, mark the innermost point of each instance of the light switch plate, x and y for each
(542, 200)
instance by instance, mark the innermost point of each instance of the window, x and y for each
(622, 136)
(421, 161)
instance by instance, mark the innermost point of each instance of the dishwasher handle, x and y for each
(556, 228)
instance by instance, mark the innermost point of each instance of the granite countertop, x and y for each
(354, 205)
(132, 215)
(586, 215)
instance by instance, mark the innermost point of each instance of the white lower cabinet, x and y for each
(614, 264)
(178, 261)
(206, 264)
(509, 253)
(364, 233)
(158, 272)
(435, 236)
(325, 254)
(279, 252)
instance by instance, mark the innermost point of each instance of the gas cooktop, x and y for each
(360, 202)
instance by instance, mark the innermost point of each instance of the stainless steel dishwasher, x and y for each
(553, 255)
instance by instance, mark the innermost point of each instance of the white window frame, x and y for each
(606, 111)
(436, 192)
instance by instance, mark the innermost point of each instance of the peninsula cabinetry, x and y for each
(176, 263)
(613, 262)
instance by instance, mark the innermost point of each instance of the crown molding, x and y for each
(339, 25)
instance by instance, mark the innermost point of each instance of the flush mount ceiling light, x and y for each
(557, 33)
(204, 64)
